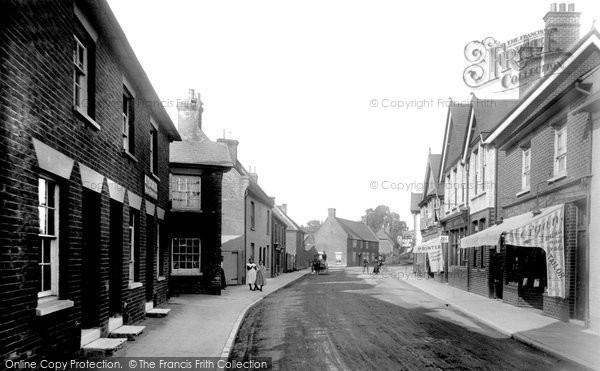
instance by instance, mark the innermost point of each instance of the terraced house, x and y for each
(84, 178)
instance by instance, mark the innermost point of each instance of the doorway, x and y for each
(496, 274)
(91, 258)
(150, 246)
(230, 266)
(116, 257)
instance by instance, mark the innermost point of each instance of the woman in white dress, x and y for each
(251, 273)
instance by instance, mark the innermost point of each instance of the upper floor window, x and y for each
(268, 221)
(483, 165)
(454, 188)
(526, 169)
(475, 165)
(154, 150)
(560, 151)
(128, 122)
(49, 218)
(80, 76)
(185, 192)
(252, 215)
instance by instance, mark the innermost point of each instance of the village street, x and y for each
(347, 320)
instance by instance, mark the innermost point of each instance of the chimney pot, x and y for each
(562, 7)
(284, 208)
(331, 212)
(571, 7)
(553, 7)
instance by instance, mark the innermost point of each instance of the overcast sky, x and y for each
(295, 83)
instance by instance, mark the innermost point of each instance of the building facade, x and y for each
(197, 165)
(85, 180)
(346, 242)
(278, 254)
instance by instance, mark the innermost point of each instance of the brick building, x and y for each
(544, 169)
(84, 179)
(430, 260)
(197, 165)
(346, 242)
(278, 260)
(294, 236)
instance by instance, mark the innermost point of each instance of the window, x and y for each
(560, 151)
(252, 214)
(128, 126)
(186, 256)
(454, 175)
(354, 243)
(185, 192)
(154, 151)
(526, 169)
(481, 256)
(483, 165)
(80, 76)
(133, 251)
(476, 172)
(48, 214)
(268, 221)
(462, 186)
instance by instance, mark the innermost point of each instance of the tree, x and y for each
(380, 217)
(312, 226)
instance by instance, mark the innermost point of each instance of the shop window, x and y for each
(185, 260)
(526, 267)
(185, 192)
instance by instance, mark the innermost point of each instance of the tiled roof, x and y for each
(200, 153)
(291, 224)
(488, 113)
(415, 198)
(459, 115)
(358, 230)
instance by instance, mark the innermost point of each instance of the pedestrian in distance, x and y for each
(223, 281)
(365, 265)
(251, 273)
(260, 276)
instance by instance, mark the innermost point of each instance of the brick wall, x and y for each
(36, 100)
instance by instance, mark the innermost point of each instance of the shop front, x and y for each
(534, 274)
(457, 227)
(431, 253)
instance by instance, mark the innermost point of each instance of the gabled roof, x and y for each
(259, 194)
(454, 137)
(204, 153)
(383, 235)
(432, 170)
(415, 198)
(590, 40)
(484, 117)
(291, 225)
(357, 230)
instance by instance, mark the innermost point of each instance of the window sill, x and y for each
(134, 285)
(154, 176)
(523, 192)
(478, 196)
(175, 273)
(187, 210)
(130, 156)
(51, 304)
(161, 278)
(88, 120)
(556, 178)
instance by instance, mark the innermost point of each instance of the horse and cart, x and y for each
(319, 263)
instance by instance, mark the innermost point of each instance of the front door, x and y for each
(91, 257)
(230, 266)
(496, 274)
(116, 256)
(150, 264)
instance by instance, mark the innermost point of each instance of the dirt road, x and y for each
(348, 321)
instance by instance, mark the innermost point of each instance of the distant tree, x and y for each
(381, 216)
(312, 226)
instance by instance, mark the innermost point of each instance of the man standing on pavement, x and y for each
(365, 265)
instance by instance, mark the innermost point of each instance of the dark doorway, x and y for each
(91, 258)
(150, 264)
(496, 274)
(116, 257)
(581, 283)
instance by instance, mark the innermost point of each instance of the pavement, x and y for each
(564, 340)
(201, 325)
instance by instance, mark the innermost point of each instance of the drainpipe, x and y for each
(245, 235)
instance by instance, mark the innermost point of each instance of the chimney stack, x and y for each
(252, 174)
(331, 213)
(189, 117)
(232, 145)
(561, 33)
(284, 208)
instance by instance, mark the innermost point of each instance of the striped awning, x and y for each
(491, 236)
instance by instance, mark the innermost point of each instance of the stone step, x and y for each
(149, 306)
(114, 323)
(129, 332)
(103, 347)
(88, 335)
(158, 312)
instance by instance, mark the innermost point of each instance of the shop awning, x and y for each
(428, 246)
(491, 236)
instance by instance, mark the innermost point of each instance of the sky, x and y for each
(335, 103)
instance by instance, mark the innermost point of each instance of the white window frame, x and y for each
(54, 239)
(476, 172)
(185, 190)
(483, 164)
(526, 169)
(194, 271)
(560, 133)
(132, 258)
(80, 76)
